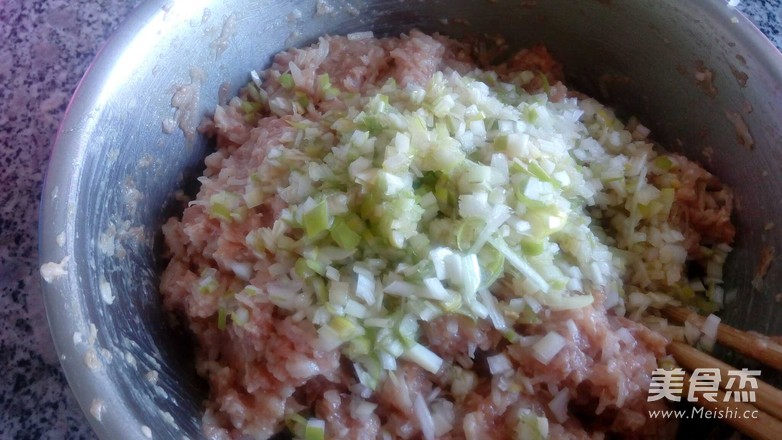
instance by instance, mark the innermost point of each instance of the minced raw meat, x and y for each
(265, 367)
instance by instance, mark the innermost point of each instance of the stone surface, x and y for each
(46, 48)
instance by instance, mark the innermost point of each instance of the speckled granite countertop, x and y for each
(46, 47)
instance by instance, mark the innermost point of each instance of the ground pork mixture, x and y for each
(270, 263)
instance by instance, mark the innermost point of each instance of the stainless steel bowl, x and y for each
(114, 173)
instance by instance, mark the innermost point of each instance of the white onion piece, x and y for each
(559, 405)
(424, 417)
(710, 326)
(499, 364)
(549, 346)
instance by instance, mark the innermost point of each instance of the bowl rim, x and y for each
(58, 199)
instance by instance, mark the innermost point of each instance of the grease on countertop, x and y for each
(51, 271)
(742, 130)
(97, 408)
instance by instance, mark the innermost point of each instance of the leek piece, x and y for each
(663, 162)
(531, 426)
(324, 82)
(240, 316)
(286, 80)
(532, 247)
(500, 143)
(424, 357)
(315, 429)
(343, 235)
(521, 265)
(536, 170)
(220, 205)
(321, 291)
(360, 346)
(546, 85)
(493, 266)
(222, 314)
(343, 326)
(208, 283)
(316, 220)
(371, 125)
(295, 424)
(302, 269)
(254, 92)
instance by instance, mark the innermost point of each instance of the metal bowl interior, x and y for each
(114, 174)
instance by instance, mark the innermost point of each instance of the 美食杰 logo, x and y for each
(740, 385)
(703, 386)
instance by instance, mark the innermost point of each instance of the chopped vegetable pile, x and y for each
(389, 242)
(414, 201)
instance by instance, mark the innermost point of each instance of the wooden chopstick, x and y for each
(767, 398)
(766, 422)
(754, 345)
(763, 427)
